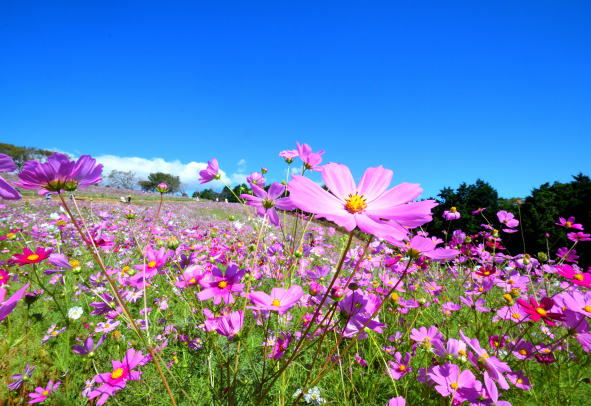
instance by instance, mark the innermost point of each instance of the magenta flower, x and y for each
(7, 192)
(230, 325)
(541, 311)
(578, 303)
(399, 368)
(579, 236)
(88, 348)
(222, 286)
(523, 350)
(280, 300)
(30, 257)
(479, 210)
(256, 179)
(107, 326)
(281, 345)
(4, 277)
(519, 379)
(7, 306)
(507, 219)
(477, 305)
(192, 275)
(59, 173)
(364, 205)
(449, 381)
(419, 246)
(116, 380)
(399, 401)
(570, 223)
(451, 214)
(212, 172)
(161, 188)
(311, 159)
(288, 155)
(577, 277)
(41, 394)
(267, 202)
(567, 255)
(453, 348)
(357, 308)
(493, 392)
(425, 337)
(493, 365)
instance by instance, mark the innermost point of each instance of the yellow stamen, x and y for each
(222, 284)
(523, 352)
(275, 303)
(541, 311)
(587, 309)
(519, 381)
(516, 316)
(152, 264)
(568, 224)
(355, 203)
(117, 373)
(45, 393)
(33, 257)
(578, 277)
(454, 385)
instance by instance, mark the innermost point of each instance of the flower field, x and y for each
(210, 303)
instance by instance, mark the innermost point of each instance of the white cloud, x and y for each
(296, 170)
(189, 173)
(241, 162)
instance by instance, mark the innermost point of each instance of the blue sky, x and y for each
(439, 92)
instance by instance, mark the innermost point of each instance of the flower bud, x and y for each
(173, 243)
(283, 182)
(162, 188)
(315, 289)
(468, 240)
(337, 293)
(353, 286)
(232, 218)
(31, 297)
(263, 170)
(542, 257)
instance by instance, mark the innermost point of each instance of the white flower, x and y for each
(75, 312)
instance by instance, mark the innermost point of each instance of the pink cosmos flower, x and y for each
(577, 277)
(523, 350)
(212, 172)
(493, 392)
(567, 255)
(399, 401)
(479, 210)
(578, 303)
(280, 300)
(8, 305)
(570, 223)
(117, 380)
(453, 347)
(7, 192)
(579, 236)
(222, 286)
(281, 345)
(230, 325)
(507, 219)
(4, 277)
(493, 365)
(267, 203)
(425, 337)
(30, 257)
(364, 205)
(357, 308)
(451, 214)
(519, 379)
(256, 179)
(59, 173)
(399, 368)
(107, 326)
(311, 159)
(288, 155)
(41, 394)
(419, 246)
(192, 275)
(477, 305)
(449, 381)
(541, 311)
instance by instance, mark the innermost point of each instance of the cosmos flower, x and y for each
(311, 159)
(117, 380)
(267, 203)
(7, 192)
(568, 255)
(449, 381)
(212, 172)
(222, 285)
(8, 305)
(570, 223)
(540, 311)
(4, 277)
(492, 364)
(507, 219)
(255, 178)
(398, 368)
(20, 378)
(88, 348)
(75, 312)
(419, 246)
(192, 275)
(579, 236)
(578, 303)
(365, 205)
(577, 277)
(451, 214)
(399, 401)
(289, 155)
(41, 394)
(280, 300)
(30, 257)
(59, 173)
(230, 325)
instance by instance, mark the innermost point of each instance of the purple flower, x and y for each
(280, 300)
(493, 365)
(451, 214)
(20, 378)
(493, 392)
(419, 246)
(212, 172)
(567, 255)
(52, 333)
(570, 223)
(449, 381)
(399, 401)
(519, 379)
(579, 236)
(454, 348)
(399, 368)
(311, 159)
(425, 337)
(477, 305)
(230, 325)
(88, 348)
(107, 326)
(507, 219)
(222, 286)
(7, 192)
(578, 303)
(288, 155)
(357, 308)
(256, 179)
(267, 202)
(59, 173)
(117, 380)
(281, 345)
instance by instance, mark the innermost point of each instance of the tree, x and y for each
(20, 155)
(208, 194)
(154, 179)
(183, 189)
(122, 180)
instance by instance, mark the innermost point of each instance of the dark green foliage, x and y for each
(154, 179)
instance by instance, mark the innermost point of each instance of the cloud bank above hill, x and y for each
(189, 173)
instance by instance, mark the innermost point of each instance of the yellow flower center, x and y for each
(33, 257)
(462, 352)
(578, 277)
(519, 381)
(587, 309)
(486, 273)
(45, 393)
(516, 316)
(510, 281)
(117, 373)
(508, 297)
(355, 203)
(275, 303)
(151, 264)
(454, 385)
(523, 352)
(74, 263)
(568, 224)
(453, 210)
(9, 235)
(107, 325)
(222, 284)
(54, 333)
(480, 289)
(401, 368)
(541, 311)
(394, 297)
(191, 281)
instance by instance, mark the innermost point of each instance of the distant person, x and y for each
(129, 199)
(48, 196)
